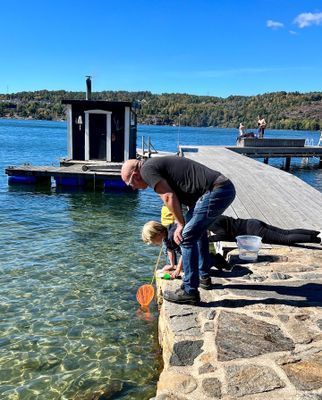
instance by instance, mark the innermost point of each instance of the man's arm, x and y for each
(170, 199)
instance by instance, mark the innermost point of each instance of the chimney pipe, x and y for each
(88, 88)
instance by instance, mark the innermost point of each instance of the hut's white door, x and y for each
(98, 135)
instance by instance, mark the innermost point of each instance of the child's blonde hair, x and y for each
(151, 230)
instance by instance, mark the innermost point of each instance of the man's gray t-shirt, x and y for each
(187, 178)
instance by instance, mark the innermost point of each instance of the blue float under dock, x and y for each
(69, 174)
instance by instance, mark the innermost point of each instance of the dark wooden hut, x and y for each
(101, 135)
(100, 130)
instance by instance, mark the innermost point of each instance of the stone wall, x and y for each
(257, 333)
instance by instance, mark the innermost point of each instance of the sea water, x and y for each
(71, 263)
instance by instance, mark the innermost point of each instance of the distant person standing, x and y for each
(261, 126)
(241, 129)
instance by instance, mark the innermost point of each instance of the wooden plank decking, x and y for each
(263, 192)
(278, 152)
(72, 169)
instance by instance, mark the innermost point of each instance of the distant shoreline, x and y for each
(281, 110)
(32, 119)
(170, 125)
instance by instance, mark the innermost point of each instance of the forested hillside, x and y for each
(281, 110)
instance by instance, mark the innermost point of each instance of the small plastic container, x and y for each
(248, 246)
(163, 275)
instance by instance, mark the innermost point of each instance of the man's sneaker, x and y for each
(205, 283)
(181, 297)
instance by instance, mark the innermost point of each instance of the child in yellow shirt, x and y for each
(155, 233)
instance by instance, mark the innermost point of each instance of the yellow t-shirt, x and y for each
(167, 217)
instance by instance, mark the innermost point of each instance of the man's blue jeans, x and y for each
(194, 245)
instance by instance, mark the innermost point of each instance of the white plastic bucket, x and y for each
(248, 246)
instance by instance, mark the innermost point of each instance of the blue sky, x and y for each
(203, 47)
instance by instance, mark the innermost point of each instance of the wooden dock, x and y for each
(263, 192)
(75, 173)
(69, 173)
(278, 152)
(286, 148)
(288, 153)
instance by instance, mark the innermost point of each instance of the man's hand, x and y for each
(176, 273)
(177, 236)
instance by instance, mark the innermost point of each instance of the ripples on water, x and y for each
(70, 267)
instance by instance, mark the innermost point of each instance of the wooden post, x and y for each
(320, 163)
(287, 163)
(142, 146)
(266, 160)
(149, 146)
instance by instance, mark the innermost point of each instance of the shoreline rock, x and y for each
(255, 336)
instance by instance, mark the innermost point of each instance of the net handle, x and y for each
(156, 265)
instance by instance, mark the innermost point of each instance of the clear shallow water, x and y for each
(70, 267)
(69, 270)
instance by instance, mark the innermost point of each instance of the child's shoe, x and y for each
(320, 236)
(219, 262)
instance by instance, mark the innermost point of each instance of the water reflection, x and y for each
(68, 313)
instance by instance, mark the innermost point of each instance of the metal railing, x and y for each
(147, 147)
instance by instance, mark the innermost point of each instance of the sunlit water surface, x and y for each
(71, 263)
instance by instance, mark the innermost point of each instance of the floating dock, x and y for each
(69, 174)
(90, 175)
(101, 135)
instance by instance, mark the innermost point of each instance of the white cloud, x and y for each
(274, 24)
(293, 33)
(306, 19)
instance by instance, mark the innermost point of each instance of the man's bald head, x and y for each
(128, 167)
(131, 175)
